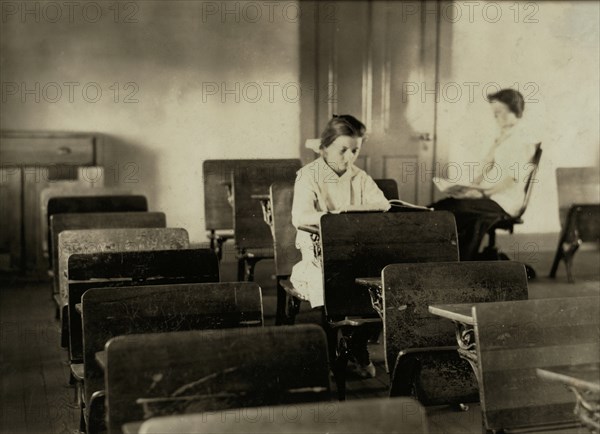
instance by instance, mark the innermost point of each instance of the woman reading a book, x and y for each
(333, 184)
(499, 189)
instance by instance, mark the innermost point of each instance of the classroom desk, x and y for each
(265, 203)
(313, 230)
(229, 187)
(381, 415)
(462, 315)
(217, 239)
(584, 382)
(375, 287)
(101, 359)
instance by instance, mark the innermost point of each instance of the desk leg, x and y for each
(211, 237)
(339, 355)
(281, 301)
(219, 248)
(465, 336)
(246, 266)
(250, 269)
(241, 268)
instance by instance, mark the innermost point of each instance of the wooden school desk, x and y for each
(382, 415)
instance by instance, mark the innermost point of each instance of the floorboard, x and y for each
(36, 397)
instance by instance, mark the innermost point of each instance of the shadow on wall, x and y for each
(130, 166)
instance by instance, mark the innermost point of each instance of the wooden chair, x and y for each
(68, 221)
(378, 415)
(513, 339)
(190, 372)
(253, 239)
(116, 240)
(507, 222)
(361, 245)
(579, 212)
(420, 348)
(93, 204)
(120, 269)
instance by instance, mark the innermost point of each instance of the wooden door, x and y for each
(377, 61)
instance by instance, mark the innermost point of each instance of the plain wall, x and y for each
(195, 68)
(177, 59)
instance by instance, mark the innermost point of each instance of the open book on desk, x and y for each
(397, 205)
(401, 206)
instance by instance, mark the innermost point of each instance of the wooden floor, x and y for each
(36, 397)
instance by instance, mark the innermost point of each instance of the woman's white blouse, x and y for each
(512, 155)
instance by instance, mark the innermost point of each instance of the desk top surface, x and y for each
(372, 415)
(585, 376)
(455, 312)
(260, 196)
(313, 229)
(369, 282)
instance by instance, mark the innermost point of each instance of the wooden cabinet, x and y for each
(29, 162)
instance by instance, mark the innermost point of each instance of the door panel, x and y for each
(401, 168)
(377, 61)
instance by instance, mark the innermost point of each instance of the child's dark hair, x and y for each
(341, 125)
(511, 98)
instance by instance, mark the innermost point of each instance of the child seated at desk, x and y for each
(332, 184)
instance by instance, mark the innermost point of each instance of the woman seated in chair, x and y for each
(499, 189)
(332, 184)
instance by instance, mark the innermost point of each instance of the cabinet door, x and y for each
(31, 161)
(10, 218)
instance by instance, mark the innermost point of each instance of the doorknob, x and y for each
(426, 137)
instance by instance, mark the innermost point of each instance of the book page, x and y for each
(401, 203)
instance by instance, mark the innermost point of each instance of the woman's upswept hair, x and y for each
(511, 98)
(341, 125)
